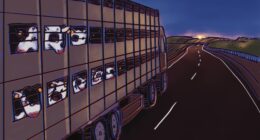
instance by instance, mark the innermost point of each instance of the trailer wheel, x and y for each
(115, 125)
(97, 131)
(150, 99)
(100, 131)
(164, 82)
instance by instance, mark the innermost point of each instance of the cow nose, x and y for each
(33, 114)
(20, 50)
(60, 51)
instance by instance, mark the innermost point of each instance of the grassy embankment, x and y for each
(249, 46)
(176, 43)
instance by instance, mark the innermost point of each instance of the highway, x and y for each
(204, 101)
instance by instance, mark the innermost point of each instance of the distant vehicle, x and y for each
(77, 68)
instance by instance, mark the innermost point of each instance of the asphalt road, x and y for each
(210, 104)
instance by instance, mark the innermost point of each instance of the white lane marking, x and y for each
(236, 78)
(193, 76)
(186, 52)
(200, 60)
(199, 65)
(199, 55)
(165, 116)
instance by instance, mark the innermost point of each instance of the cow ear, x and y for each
(66, 29)
(72, 31)
(46, 29)
(17, 95)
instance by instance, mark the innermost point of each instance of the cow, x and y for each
(55, 39)
(78, 36)
(57, 91)
(97, 76)
(79, 84)
(110, 72)
(27, 102)
(23, 37)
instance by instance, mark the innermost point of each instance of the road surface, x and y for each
(204, 101)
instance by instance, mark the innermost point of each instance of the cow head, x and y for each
(97, 76)
(80, 81)
(79, 84)
(78, 36)
(55, 39)
(110, 72)
(23, 37)
(27, 102)
(57, 91)
(30, 41)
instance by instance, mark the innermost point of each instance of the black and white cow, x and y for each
(97, 75)
(78, 35)
(27, 102)
(110, 71)
(23, 38)
(57, 91)
(55, 38)
(79, 82)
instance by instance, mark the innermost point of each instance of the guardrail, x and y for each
(243, 55)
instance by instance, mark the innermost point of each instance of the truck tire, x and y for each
(100, 131)
(164, 83)
(114, 124)
(96, 131)
(150, 98)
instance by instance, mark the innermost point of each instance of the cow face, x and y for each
(27, 102)
(18, 106)
(78, 36)
(110, 72)
(23, 38)
(57, 91)
(55, 38)
(79, 82)
(97, 76)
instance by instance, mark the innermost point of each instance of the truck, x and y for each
(78, 69)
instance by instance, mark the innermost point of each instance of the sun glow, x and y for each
(200, 36)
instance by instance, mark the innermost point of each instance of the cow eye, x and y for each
(54, 37)
(78, 82)
(20, 33)
(112, 71)
(75, 38)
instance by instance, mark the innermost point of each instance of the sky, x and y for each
(226, 18)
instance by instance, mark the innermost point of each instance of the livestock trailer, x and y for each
(77, 68)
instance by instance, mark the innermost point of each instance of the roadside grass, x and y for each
(250, 46)
(177, 43)
(178, 39)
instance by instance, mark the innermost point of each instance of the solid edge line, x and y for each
(235, 77)
(186, 52)
(193, 76)
(165, 116)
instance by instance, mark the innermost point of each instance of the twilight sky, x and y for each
(230, 18)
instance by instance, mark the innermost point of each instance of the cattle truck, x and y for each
(77, 68)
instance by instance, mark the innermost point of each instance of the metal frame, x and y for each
(3, 101)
